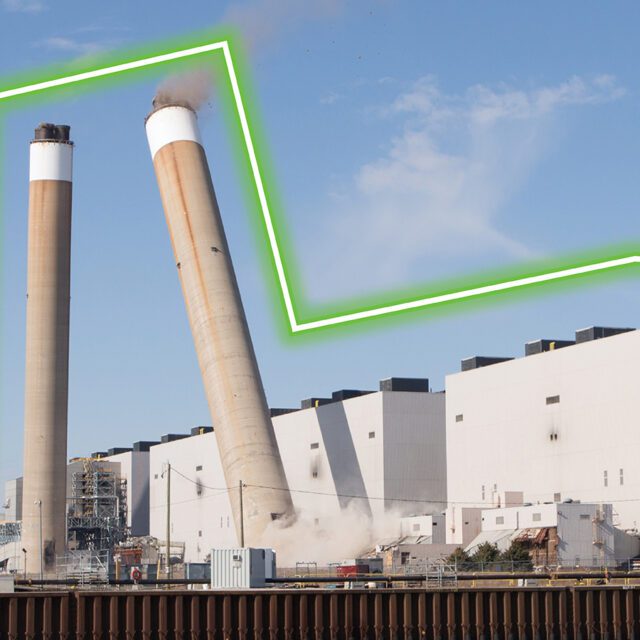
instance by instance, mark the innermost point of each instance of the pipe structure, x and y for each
(246, 440)
(476, 577)
(47, 348)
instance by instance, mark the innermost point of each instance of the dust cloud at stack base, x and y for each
(233, 387)
(318, 537)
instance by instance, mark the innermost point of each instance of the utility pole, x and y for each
(168, 472)
(241, 515)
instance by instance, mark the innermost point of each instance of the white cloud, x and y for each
(24, 6)
(330, 98)
(440, 188)
(85, 41)
(72, 45)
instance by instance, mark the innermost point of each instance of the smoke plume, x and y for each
(263, 22)
(192, 89)
(260, 22)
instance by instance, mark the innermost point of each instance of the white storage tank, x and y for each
(244, 568)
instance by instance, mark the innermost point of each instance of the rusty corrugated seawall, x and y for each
(244, 433)
(394, 614)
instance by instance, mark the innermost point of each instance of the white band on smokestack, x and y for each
(50, 161)
(171, 124)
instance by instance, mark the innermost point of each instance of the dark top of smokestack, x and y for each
(48, 132)
(158, 103)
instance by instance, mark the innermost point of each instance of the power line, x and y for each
(484, 505)
(174, 502)
(430, 501)
(345, 495)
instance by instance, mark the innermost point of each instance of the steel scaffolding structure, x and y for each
(97, 518)
(10, 532)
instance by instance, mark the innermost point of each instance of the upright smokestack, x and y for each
(247, 444)
(47, 348)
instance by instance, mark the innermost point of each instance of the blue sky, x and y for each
(409, 141)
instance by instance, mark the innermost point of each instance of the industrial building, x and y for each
(133, 465)
(13, 500)
(537, 442)
(377, 455)
(200, 515)
(559, 424)
(568, 534)
(387, 446)
(374, 453)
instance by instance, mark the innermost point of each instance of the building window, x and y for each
(155, 476)
(553, 399)
(483, 492)
(499, 519)
(605, 477)
(227, 522)
(536, 517)
(416, 527)
(460, 417)
(199, 467)
(315, 445)
(621, 476)
(585, 516)
(199, 534)
(316, 521)
(314, 474)
(495, 488)
(372, 434)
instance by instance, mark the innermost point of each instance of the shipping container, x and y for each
(241, 568)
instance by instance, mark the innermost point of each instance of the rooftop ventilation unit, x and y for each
(198, 431)
(114, 451)
(144, 445)
(416, 385)
(171, 437)
(274, 412)
(476, 362)
(542, 345)
(346, 394)
(595, 333)
(309, 403)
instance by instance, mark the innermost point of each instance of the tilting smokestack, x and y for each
(247, 444)
(47, 348)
